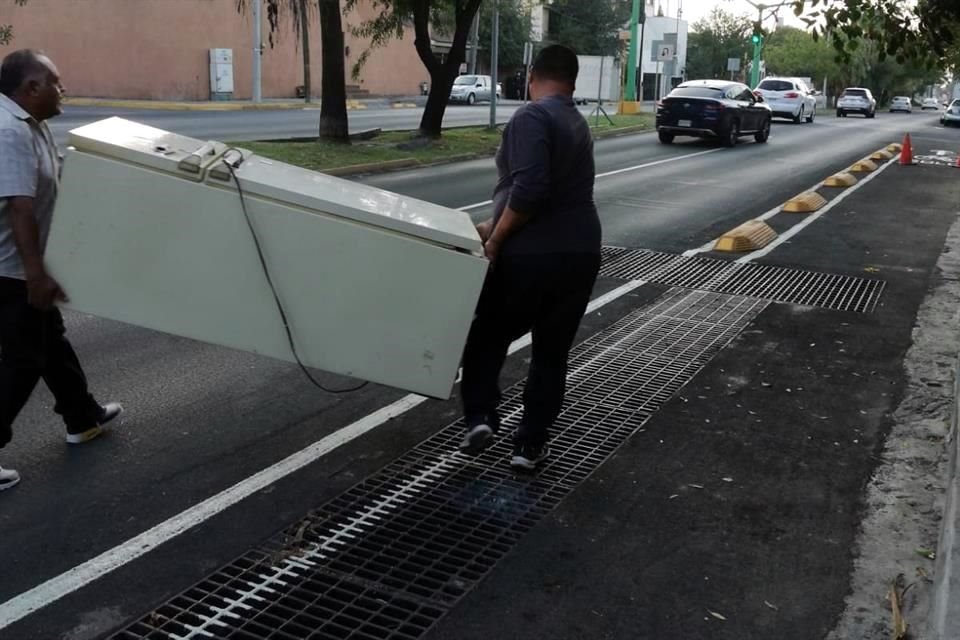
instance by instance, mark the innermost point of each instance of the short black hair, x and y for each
(17, 67)
(558, 63)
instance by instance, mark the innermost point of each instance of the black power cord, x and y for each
(266, 272)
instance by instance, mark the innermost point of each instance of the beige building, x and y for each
(160, 49)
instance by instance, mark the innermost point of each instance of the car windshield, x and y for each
(696, 92)
(854, 93)
(465, 80)
(900, 99)
(955, 103)
(776, 85)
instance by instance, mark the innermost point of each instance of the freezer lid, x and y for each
(361, 203)
(146, 146)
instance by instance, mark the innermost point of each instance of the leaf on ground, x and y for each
(771, 605)
(926, 553)
(718, 616)
(895, 595)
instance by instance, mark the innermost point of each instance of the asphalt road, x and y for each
(268, 125)
(202, 418)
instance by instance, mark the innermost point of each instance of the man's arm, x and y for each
(42, 290)
(528, 149)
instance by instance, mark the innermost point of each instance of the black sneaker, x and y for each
(526, 457)
(477, 438)
(108, 412)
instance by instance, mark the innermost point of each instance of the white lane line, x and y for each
(800, 226)
(66, 583)
(645, 165)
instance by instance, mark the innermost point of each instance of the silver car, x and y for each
(471, 89)
(856, 100)
(789, 98)
(951, 117)
(901, 103)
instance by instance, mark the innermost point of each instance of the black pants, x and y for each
(33, 346)
(547, 295)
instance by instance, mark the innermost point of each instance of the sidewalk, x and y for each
(269, 104)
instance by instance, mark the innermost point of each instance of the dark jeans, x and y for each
(33, 346)
(547, 295)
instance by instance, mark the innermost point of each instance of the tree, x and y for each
(514, 33)
(334, 124)
(795, 52)
(902, 29)
(714, 39)
(589, 27)
(395, 15)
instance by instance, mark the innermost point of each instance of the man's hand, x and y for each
(491, 248)
(43, 291)
(485, 229)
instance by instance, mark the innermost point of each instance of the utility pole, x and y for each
(494, 62)
(630, 93)
(257, 50)
(474, 44)
(757, 38)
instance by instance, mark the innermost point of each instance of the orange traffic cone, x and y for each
(906, 153)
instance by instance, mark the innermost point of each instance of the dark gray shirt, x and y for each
(546, 170)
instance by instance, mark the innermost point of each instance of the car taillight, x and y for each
(792, 94)
(713, 107)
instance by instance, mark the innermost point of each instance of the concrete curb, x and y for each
(372, 167)
(281, 105)
(622, 131)
(944, 623)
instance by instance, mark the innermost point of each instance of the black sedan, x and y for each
(713, 109)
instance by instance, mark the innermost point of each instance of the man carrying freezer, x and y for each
(32, 340)
(544, 243)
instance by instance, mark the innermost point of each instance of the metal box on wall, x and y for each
(221, 74)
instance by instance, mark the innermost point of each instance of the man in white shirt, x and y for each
(32, 340)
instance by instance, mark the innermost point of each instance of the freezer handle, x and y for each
(193, 162)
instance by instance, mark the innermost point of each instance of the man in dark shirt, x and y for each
(544, 246)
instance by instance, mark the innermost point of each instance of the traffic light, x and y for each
(757, 37)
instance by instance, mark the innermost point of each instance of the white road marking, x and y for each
(810, 219)
(66, 583)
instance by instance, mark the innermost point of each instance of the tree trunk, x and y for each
(441, 75)
(305, 37)
(334, 126)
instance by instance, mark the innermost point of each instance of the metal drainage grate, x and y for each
(777, 284)
(393, 554)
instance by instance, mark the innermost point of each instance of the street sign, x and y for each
(665, 53)
(733, 64)
(527, 53)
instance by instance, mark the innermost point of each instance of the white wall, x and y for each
(654, 30)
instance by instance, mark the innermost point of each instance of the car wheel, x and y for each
(471, 99)
(839, 113)
(764, 134)
(666, 137)
(797, 119)
(813, 114)
(872, 114)
(732, 134)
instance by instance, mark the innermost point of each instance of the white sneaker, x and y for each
(108, 412)
(8, 478)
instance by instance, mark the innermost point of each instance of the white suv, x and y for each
(789, 98)
(856, 100)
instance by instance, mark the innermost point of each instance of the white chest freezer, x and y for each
(149, 230)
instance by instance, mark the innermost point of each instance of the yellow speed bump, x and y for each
(842, 179)
(749, 236)
(881, 155)
(863, 166)
(896, 147)
(805, 203)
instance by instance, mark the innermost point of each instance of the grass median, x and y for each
(393, 146)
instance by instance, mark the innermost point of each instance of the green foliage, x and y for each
(796, 53)
(901, 29)
(514, 33)
(6, 30)
(589, 27)
(713, 40)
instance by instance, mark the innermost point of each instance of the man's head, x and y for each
(554, 71)
(30, 79)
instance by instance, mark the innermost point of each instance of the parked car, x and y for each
(951, 116)
(789, 98)
(471, 89)
(930, 103)
(856, 100)
(713, 109)
(901, 103)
